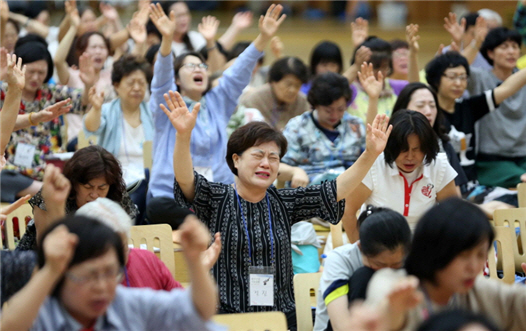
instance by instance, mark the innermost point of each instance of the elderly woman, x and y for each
(124, 124)
(93, 172)
(254, 217)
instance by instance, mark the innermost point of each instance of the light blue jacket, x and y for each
(111, 123)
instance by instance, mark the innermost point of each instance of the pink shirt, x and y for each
(145, 270)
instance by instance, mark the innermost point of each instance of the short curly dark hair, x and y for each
(128, 64)
(496, 37)
(436, 68)
(327, 88)
(288, 65)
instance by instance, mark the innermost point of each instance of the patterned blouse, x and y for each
(216, 204)
(46, 137)
(29, 239)
(16, 269)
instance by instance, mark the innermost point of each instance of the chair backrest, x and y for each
(504, 237)
(521, 194)
(84, 141)
(147, 154)
(303, 284)
(257, 321)
(336, 235)
(158, 236)
(17, 217)
(512, 218)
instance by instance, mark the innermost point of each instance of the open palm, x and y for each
(412, 37)
(370, 84)
(377, 134)
(455, 29)
(182, 120)
(16, 73)
(208, 27)
(269, 24)
(87, 71)
(165, 25)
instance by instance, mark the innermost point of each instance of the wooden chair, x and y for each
(505, 237)
(19, 215)
(303, 285)
(257, 321)
(147, 154)
(521, 194)
(512, 218)
(84, 141)
(156, 235)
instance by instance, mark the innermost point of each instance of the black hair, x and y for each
(381, 52)
(253, 134)
(455, 320)
(325, 52)
(288, 65)
(152, 51)
(471, 19)
(94, 240)
(398, 44)
(204, 51)
(496, 37)
(238, 48)
(327, 88)
(33, 48)
(128, 64)
(383, 229)
(436, 68)
(179, 61)
(404, 98)
(445, 231)
(405, 123)
(152, 29)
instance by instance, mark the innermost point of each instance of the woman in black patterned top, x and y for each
(253, 217)
(93, 173)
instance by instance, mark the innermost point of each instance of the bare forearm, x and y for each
(183, 166)
(216, 60)
(351, 73)
(63, 28)
(510, 86)
(166, 46)
(471, 51)
(92, 120)
(22, 309)
(413, 74)
(204, 291)
(349, 223)
(139, 49)
(9, 114)
(62, 53)
(228, 38)
(372, 110)
(32, 26)
(353, 176)
(119, 38)
(261, 42)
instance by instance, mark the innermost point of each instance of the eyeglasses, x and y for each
(192, 66)
(113, 275)
(453, 77)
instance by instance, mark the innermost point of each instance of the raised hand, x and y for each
(210, 256)
(372, 86)
(195, 238)
(96, 100)
(269, 24)
(87, 71)
(363, 54)
(55, 188)
(359, 31)
(481, 29)
(299, 178)
(242, 20)
(5, 211)
(3, 63)
(52, 112)
(4, 11)
(165, 25)
(455, 29)
(109, 12)
(143, 11)
(276, 46)
(182, 120)
(59, 248)
(16, 74)
(208, 27)
(72, 13)
(377, 134)
(137, 30)
(412, 37)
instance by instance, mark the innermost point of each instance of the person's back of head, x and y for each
(444, 232)
(288, 66)
(109, 213)
(325, 52)
(493, 19)
(382, 53)
(457, 320)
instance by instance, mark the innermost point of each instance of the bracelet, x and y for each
(30, 120)
(27, 23)
(211, 48)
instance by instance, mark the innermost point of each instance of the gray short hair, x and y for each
(109, 213)
(489, 14)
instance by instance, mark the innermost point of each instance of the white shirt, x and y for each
(131, 153)
(197, 40)
(390, 189)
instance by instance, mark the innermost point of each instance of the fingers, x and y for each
(12, 207)
(169, 102)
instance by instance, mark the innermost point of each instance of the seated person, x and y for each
(410, 177)
(325, 141)
(325, 57)
(280, 99)
(82, 281)
(384, 241)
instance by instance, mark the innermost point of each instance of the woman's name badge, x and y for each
(25, 154)
(261, 286)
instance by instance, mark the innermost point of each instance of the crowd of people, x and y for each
(409, 159)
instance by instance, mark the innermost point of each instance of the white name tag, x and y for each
(206, 172)
(25, 154)
(261, 290)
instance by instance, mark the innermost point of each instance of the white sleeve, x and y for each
(444, 173)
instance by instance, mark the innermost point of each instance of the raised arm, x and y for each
(165, 25)
(268, 26)
(510, 86)
(15, 78)
(4, 15)
(42, 116)
(64, 46)
(69, 6)
(21, 310)
(377, 135)
(481, 30)
(137, 31)
(184, 122)
(208, 28)
(195, 239)
(373, 87)
(411, 33)
(92, 119)
(359, 31)
(32, 26)
(454, 28)
(362, 55)
(240, 22)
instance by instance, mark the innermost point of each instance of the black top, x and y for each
(17, 268)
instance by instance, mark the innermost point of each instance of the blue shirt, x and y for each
(133, 309)
(209, 137)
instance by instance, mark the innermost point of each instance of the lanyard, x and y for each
(246, 227)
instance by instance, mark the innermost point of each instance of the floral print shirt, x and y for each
(46, 137)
